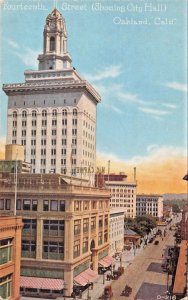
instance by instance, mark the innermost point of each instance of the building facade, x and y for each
(65, 233)
(149, 205)
(53, 114)
(10, 255)
(116, 230)
(123, 193)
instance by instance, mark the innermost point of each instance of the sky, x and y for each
(138, 69)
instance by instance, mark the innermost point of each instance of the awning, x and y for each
(42, 283)
(106, 261)
(86, 277)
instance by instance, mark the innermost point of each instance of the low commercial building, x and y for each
(10, 254)
(149, 205)
(116, 230)
(131, 237)
(66, 231)
(184, 225)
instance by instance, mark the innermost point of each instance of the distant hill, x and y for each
(171, 197)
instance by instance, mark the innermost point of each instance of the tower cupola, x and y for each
(55, 55)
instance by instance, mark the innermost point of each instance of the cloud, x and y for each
(154, 112)
(12, 43)
(160, 171)
(27, 55)
(177, 86)
(105, 73)
(169, 105)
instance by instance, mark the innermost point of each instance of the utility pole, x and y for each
(16, 180)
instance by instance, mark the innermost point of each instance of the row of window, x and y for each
(48, 205)
(44, 113)
(85, 226)
(4, 204)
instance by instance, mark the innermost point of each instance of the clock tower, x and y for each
(55, 55)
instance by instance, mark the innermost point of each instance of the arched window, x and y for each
(74, 112)
(34, 113)
(14, 114)
(24, 114)
(44, 113)
(52, 43)
(54, 112)
(64, 112)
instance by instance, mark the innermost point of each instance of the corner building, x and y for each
(53, 114)
(10, 256)
(65, 234)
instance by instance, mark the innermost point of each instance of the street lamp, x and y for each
(89, 284)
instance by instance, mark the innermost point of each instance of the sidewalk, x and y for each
(98, 287)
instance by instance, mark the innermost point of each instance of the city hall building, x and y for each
(65, 237)
(53, 114)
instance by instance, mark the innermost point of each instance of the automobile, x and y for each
(156, 243)
(151, 240)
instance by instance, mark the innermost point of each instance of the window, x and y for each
(77, 205)
(29, 227)
(43, 151)
(105, 237)
(74, 141)
(86, 225)
(85, 245)
(100, 238)
(23, 132)
(93, 223)
(64, 121)
(6, 287)
(64, 112)
(53, 131)
(54, 205)
(85, 205)
(4, 204)
(62, 205)
(24, 114)
(53, 227)
(52, 43)
(5, 251)
(26, 204)
(44, 113)
(34, 113)
(76, 252)
(14, 114)
(64, 131)
(100, 221)
(74, 131)
(33, 142)
(43, 142)
(74, 121)
(54, 113)
(93, 204)
(28, 248)
(53, 161)
(44, 122)
(54, 122)
(45, 205)
(24, 123)
(77, 227)
(53, 151)
(53, 250)
(34, 122)
(63, 151)
(74, 112)
(43, 132)
(33, 132)
(34, 205)
(64, 142)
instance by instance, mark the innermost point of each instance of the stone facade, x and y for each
(53, 114)
(66, 227)
(10, 246)
(116, 230)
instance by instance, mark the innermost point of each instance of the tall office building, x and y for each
(53, 114)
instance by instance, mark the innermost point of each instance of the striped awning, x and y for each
(106, 261)
(86, 277)
(42, 283)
